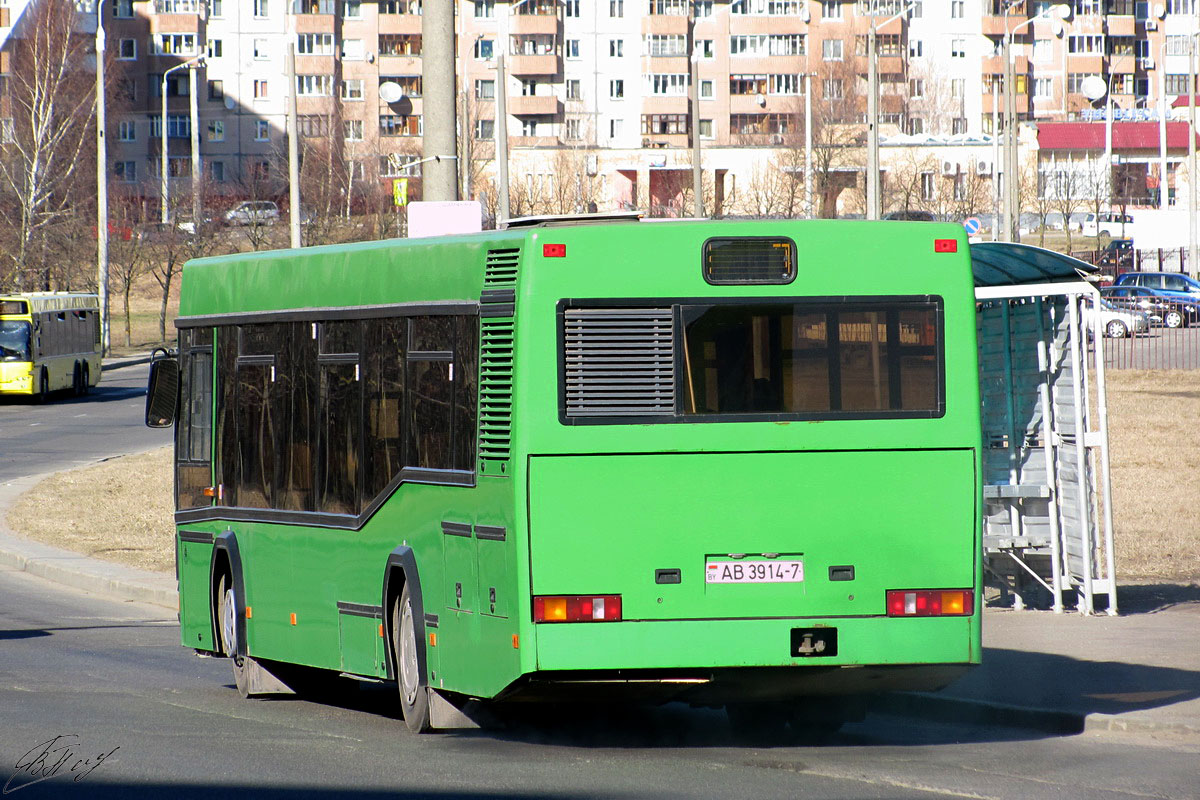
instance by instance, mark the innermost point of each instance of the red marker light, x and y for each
(554, 250)
(945, 245)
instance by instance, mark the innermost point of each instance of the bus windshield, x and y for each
(14, 341)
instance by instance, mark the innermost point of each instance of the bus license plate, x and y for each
(754, 572)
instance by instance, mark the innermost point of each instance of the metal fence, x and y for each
(1158, 348)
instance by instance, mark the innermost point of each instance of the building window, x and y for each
(216, 8)
(352, 89)
(1092, 45)
(1042, 50)
(485, 9)
(706, 90)
(833, 89)
(573, 89)
(572, 48)
(261, 50)
(352, 9)
(483, 49)
(216, 130)
(485, 129)
(572, 129)
(616, 8)
(486, 90)
(614, 128)
(927, 184)
(831, 9)
(314, 85)
(616, 89)
(171, 44)
(706, 129)
(958, 48)
(215, 48)
(616, 48)
(916, 48)
(958, 126)
(123, 9)
(958, 87)
(216, 171)
(216, 90)
(916, 88)
(916, 126)
(260, 90)
(397, 125)
(664, 124)
(127, 50)
(668, 84)
(262, 130)
(571, 8)
(307, 44)
(262, 8)
(1043, 88)
(831, 49)
(956, 9)
(353, 130)
(125, 171)
(126, 130)
(702, 8)
(529, 127)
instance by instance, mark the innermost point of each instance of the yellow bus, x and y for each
(49, 341)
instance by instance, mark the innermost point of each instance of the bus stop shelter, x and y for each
(1047, 527)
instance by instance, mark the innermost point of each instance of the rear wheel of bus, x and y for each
(414, 697)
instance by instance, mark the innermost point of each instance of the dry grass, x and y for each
(144, 303)
(120, 510)
(1154, 441)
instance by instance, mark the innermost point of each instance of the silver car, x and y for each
(253, 212)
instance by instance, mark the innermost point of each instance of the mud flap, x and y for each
(450, 712)
(253, 679)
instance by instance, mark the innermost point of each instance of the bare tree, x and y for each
(1037, 199)
(52, 101)
(1069, 188)
(128, 253)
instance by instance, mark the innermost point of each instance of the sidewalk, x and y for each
(1138, 673)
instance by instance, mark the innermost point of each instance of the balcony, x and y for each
(665, 140)
(1123, 25)
(536, 142)
(1020, 102)
(533, 24)
(302, 8)
(521, 106)
(994, 65)
(1090, 63)
(534, 65)
(993, 24)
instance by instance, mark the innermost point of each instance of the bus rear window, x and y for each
(749, 261)
(812, 359)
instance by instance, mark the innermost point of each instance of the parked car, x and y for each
(1169, 284)
(1116, 323)
(911, 216)
(1108, 223)
(253, 212)
(1163, 310)
(1117, 254)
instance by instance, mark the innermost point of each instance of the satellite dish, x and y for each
(804, 15)
(229, 104)
(1094, 87)
(1160, 10)
(761, 99)
(390, 92)
(1057, 27)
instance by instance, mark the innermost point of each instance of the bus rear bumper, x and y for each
(716, 661)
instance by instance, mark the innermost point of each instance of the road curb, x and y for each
(111, 580)
(1112, 723)
(124, 362)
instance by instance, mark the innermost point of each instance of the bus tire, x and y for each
(43, 392)
(227, 626)
(414, 695)
(77, 380)
(87, 379)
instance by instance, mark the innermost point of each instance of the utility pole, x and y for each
(101, 184)
(694, 97)
(293, 149)
(196, 177)
(440, 134)
(501, 133)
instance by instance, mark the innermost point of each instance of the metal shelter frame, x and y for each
(1047, 497)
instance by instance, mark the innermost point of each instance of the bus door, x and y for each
(194, 484)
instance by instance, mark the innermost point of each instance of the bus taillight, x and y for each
(930, 602)
(575, 608)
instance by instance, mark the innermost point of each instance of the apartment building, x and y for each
(604, 86)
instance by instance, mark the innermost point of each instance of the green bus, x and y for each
(720, 462)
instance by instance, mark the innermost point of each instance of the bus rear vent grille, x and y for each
(495, 393)
(500, 269)
(619, 362)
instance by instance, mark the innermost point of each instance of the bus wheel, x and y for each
(227, 615)
(43, 393)
(414, 697)
(86, 386)
(77, 380)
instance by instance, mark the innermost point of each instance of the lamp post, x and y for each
(1191, 209)
(101, 183)
(164, 185)
(1061, 12)
(1162, 126)
(874, 189)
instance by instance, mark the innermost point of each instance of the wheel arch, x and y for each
(226, 558)
(400, 571)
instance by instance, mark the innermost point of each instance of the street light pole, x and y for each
(874, 187)
(439, 135)
(164, 186)
(1191, 87)
(101, 183)
(1162, 127)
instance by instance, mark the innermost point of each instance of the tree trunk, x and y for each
(128, 331)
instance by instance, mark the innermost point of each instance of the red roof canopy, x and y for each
(1125, 136)
(1182, 101)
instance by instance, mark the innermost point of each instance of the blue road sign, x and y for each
(972, 224)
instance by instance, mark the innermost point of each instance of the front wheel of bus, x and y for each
(43, 392)
(86, 388)
(227, 616)
(414, 698)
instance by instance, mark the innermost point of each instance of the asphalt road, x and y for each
(69, 431)
(140, 716)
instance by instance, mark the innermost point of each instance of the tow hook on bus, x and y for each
(814, 642)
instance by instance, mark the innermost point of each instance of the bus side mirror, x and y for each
(162, 395)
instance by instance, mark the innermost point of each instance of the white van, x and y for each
(1117, 226)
